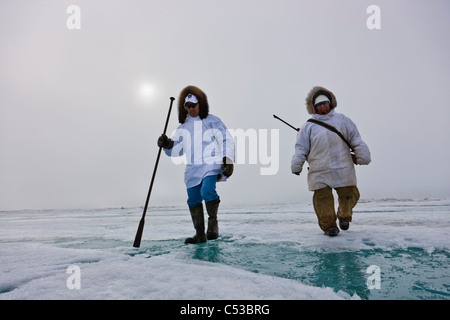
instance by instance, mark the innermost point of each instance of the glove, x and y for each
(227, 166)
(297, 173)
(165, 142)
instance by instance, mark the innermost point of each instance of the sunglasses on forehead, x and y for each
(189, 105)
(323, 103)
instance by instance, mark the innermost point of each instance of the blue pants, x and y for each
(206, 190)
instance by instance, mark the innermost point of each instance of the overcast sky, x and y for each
(81, 109)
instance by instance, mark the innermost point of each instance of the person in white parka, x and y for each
(331, 165)
(209, 149)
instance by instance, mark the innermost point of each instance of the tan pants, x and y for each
(323, 201)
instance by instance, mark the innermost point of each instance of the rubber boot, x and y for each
(213, 227)
(199, 224)
(324, 206)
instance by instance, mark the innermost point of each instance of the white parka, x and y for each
(328, 156)
(204, 142)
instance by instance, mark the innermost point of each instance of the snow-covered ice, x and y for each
(264, 252)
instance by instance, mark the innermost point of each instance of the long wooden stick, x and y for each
(137, 239)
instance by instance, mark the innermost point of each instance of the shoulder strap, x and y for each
(331, 128)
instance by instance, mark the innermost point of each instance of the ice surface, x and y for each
(268, 252)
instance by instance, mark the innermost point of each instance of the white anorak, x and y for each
(328, 156)
(204, 143)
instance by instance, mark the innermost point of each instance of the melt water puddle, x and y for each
(411, 273)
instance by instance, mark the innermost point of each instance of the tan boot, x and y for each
(324, 206)
(199, 224)
(213, 227)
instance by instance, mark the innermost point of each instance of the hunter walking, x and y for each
(209, 149)
(331, 165)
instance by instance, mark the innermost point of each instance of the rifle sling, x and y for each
(331, 128)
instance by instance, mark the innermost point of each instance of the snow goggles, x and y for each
(189, 105)
(323, 103)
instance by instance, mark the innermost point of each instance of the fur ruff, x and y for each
(314, 93)
(202, 100)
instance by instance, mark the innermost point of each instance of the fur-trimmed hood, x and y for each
(314, 93)
(202, 100)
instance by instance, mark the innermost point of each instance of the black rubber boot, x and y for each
(199, 224)
(344, 225)
(332, 232)
(213, 227)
